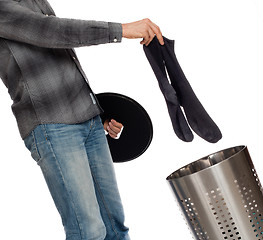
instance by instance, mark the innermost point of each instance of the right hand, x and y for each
(145, 29)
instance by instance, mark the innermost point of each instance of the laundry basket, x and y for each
(221, 196)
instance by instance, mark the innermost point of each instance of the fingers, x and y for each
(158, 34)
(152, 30)
(148, 37)
(114, 128)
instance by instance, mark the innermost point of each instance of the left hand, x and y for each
(113, 128)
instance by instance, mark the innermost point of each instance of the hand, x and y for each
(113, 127)
(145, 29)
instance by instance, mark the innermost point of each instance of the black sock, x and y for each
(179, 92)
(198, 118)
(180, 126)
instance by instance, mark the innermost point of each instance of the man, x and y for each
(58, 114)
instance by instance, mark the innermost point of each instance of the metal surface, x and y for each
(221, 196)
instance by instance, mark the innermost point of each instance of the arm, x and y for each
(21, 24)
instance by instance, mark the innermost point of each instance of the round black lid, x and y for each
(138, 131)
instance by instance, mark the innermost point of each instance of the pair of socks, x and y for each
(180, 98)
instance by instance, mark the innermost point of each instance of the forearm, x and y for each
(21, 24)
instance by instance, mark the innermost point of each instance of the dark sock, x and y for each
(197, 117)
(180, 126)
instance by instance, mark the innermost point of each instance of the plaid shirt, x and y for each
(39, 67)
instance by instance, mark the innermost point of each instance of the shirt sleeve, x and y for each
(21, 24)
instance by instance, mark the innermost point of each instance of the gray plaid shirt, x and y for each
(39, 67)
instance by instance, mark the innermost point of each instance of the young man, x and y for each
(58, 114)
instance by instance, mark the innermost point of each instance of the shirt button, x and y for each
(47, 15)
(115, 40)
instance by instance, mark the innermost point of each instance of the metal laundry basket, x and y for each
(221, 196)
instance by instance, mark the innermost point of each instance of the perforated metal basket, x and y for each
(221, 196)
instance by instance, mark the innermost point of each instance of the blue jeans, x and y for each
(78, 168)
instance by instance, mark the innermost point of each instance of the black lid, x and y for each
(138, 131)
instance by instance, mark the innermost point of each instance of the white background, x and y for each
(219, 44)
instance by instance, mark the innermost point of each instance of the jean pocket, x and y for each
(31, 145)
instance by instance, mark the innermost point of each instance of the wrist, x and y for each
(124, 26)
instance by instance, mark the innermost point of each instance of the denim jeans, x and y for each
(78, 168)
